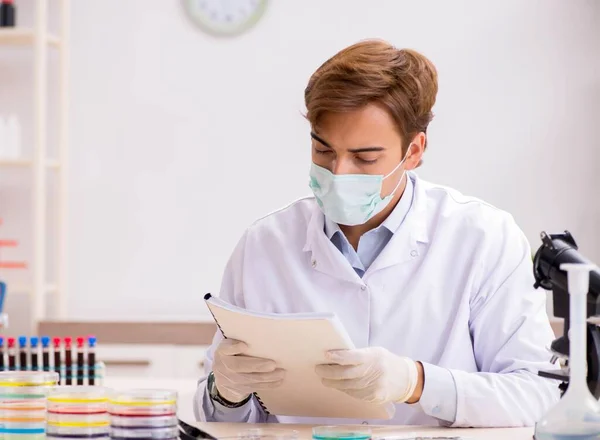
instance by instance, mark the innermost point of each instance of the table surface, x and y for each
(305, 431)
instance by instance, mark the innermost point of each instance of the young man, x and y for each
(436, 288)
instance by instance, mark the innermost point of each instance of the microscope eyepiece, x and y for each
(558, 249)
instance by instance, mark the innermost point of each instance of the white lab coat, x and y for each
(452, 289)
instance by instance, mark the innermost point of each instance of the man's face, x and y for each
(364, 141)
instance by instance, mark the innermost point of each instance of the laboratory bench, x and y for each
(222, 430)
(170, 355)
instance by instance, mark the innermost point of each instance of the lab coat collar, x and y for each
(417, 215)
(404, 244)
(326, 258)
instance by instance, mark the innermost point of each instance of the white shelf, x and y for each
(24, 37)
(39, 41)
(25, 163)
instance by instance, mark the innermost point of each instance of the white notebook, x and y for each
(297, 342)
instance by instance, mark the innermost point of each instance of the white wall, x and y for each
(180, 140)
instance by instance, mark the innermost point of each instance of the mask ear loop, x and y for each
(395, 169)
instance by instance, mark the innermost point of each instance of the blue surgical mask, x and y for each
(350, 199)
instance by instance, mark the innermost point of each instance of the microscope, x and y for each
(556, 250)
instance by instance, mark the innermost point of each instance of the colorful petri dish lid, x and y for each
(78, 395)
(144, 398)
(147, 433)
(32, 426)
(77, 432)
(117, 421)
(56, 436)
(28, 378)
(23, 405)
(78, 420)
(141, 412)
(59, 429)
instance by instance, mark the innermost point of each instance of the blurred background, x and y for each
(164, 141)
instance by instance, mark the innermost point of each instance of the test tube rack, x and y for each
(75, 364)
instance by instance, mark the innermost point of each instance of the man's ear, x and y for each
(415, 151)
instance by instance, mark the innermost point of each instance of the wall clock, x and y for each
(225, 18)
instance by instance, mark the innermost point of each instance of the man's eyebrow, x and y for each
(353, 150)
(366, 149)
(319, 140)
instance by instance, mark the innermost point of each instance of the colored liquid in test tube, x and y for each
(91, 360)
(80, 360)
(46, 353)
(34, 341)
(23, 353)
(57, 358)
(68, 361)
(12, 354)
(2, 366)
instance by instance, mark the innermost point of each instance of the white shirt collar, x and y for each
(393, 222)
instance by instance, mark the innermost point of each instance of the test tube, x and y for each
(12, 355)
(68, 361)
(57, 361)
(2, 367)
(46, 353)
(91, 360)
(80, 358)
(34, 340)
(23, 353)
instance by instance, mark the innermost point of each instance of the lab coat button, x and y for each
(413, 253)
(314, 263)
(365, 423)
(363, 287)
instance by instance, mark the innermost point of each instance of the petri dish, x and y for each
(341, 432)
(28, 436)
(78, 400)
(27, 378)
(22, 429)
(16, 385)
(268, 434)
(143, 422)
(140, 403)
(77, 436)
(78, 420)
(71, 432)
(145, 433)
(23, 403)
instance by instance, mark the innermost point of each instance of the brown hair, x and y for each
(402, 80)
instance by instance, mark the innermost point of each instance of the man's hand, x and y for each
(374, 375)
(237, 375)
